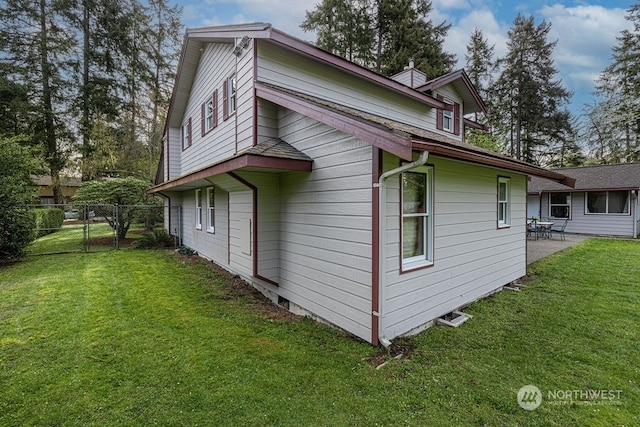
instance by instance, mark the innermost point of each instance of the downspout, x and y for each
(634, 195)
(381, 185)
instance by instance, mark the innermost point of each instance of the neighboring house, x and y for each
(603, 201)
(69, 186)
(336, 191)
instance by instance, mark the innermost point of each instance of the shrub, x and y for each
(155, 240)
(48, 220)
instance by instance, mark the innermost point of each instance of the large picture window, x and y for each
(560, 205)
(504, 203)
(211, 210)
(607, 202)
(417, 218)
(198, 219)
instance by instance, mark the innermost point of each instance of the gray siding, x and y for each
(277, 66)
(325, 228)
(472, 257)
(603, 224)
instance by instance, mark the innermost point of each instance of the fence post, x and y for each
(116, 221)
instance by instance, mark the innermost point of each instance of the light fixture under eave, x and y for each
(242, 44)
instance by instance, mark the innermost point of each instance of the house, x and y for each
(604, 200)
(68, 184)
(335, 191)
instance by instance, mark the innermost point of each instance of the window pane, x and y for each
(503, 192)
(412, 237)
(559, 198)
(618, 202)
(414, 192)
(560, 211)
(597, 202)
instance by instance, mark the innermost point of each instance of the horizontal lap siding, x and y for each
(212, 246)
(325, 226)
(471, 256)
(217, 63)
(610, 225)
(279, 67)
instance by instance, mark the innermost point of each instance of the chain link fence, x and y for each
(100, 227)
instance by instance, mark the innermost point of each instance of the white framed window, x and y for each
(186, 134)
(198, 206)
(504, 203)
(607, 202)
(211, 210)
(417, 218)
(448, 119)
(560, 205)
(230, 95)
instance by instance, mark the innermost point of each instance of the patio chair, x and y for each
(560, 228)
(533, 229)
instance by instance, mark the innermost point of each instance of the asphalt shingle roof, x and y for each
(624, 176)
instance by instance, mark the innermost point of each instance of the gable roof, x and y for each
(624, 176)
(462, 83)
(196, 38)
(392, 136)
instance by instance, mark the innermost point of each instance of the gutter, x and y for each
(382, 189)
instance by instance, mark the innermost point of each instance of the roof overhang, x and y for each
(460, 80)
(245, 161)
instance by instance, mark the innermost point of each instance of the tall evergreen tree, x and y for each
(618, 108)
(382, 34)
(530, 105)
(38, 45)
(480, 65)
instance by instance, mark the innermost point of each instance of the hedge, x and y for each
(48, 220)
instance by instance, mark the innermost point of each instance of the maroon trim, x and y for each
(254, 244)
(448, 78)
(474, 124)
(202, 118)
(488, 160)
(350, 67)
(376, 171)
(394, 143)
(228, 228)
(244, 161)
(440, 116)
(255, 96)
(456, 118)
(168, 154)
(225, 100)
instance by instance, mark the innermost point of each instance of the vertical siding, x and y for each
(471, 256)
(583, 223)
(277, 66)
(325, 226)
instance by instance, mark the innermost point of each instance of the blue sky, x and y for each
(585, 29)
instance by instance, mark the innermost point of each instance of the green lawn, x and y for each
(135, 337)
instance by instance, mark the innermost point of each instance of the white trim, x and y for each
(425, 258)
(504, 206)
(211, 209)
(198, 210)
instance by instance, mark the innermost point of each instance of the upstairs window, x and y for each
(504, 203)
(560, 205)
(448, 119)
(186, 134)
(230, 95)
(607, 202)
(210, 113)
(417, 218)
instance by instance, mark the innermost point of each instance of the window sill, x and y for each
(199, 228)
(408, 267)
(211, 230)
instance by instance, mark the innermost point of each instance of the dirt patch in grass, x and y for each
(401, 348)
(236, 288)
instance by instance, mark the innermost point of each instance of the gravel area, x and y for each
(540, 248)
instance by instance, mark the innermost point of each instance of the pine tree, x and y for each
(530, 103)
(39, 47)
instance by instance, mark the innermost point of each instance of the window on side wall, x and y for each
(448, 120)
(504, 203)
(211, 210)
(607, 202)
(210, 113)
(186, 135)
(198, 205)
(560, 205)
(417, 218)
(230, 96)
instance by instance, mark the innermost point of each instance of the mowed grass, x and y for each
(147, 337)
